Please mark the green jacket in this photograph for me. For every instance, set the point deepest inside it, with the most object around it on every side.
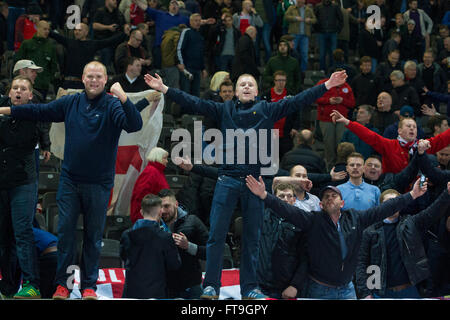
(289, 65)
(42, 51)
(294, 26)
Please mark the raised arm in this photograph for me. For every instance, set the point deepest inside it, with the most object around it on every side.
(432, 214)
(436, 175)
(391, 206)
(190, 104)
(373, 139)
(284, 107)
(292, 214)
(127, 117)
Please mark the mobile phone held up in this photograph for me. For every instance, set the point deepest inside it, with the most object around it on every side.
(422, 180)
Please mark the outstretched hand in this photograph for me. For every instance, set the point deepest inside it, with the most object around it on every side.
(155, 83)
(257, 187)
(184, 163)
(336, 79)
(337, 117)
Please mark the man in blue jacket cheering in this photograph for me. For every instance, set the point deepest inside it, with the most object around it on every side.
(245, 113)
(93, 123)
(333, 235)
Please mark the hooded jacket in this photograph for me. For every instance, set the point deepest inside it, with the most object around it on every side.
(43, 53)
(288, 64)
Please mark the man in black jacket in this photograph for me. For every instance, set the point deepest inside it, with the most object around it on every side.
(81, 50)
(280, 271)
(245, 58)
(190, 236)
(396, 248)
(17, 196)
(149, 253)
(333, 235)
(303, 154)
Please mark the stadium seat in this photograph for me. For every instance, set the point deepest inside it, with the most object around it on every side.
(110, 254)
(48, 182)
(176, 181)
(187, 122)
(313, 76)
(165, 137)
(52, 165)
(168, 120)
(115, 226)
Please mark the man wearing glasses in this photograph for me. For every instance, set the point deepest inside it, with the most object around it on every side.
(132, 48)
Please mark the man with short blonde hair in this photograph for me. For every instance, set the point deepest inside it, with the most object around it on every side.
(242, 113)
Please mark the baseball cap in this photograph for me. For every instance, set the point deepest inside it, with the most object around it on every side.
(332, 188)
(411, 21)
(22, 64)
(407, 111)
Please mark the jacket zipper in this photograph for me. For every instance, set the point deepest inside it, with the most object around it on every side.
(409, 251)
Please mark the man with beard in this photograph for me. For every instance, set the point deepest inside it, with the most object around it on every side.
(190, 236)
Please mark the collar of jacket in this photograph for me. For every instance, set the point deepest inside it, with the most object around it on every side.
(159, 166)
(246, 105)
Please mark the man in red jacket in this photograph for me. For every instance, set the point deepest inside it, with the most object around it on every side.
(395, 152)
(339, 98)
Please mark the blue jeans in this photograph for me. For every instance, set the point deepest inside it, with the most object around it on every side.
(327, 44)
(14, 13)
(91, 200)
(191, 86)
(226, 194)
(301, 44)
(17, 210)
(410, 292)
(319, 291)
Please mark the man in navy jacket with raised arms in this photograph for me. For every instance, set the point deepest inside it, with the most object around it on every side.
(245, 113)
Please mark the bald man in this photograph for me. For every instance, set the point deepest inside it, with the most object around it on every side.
(303, 154)
(82, 51)
(93, 123)
(43, 52)
(383, 115)
(245, 58)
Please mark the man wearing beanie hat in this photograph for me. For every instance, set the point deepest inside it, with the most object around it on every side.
(285, 62)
